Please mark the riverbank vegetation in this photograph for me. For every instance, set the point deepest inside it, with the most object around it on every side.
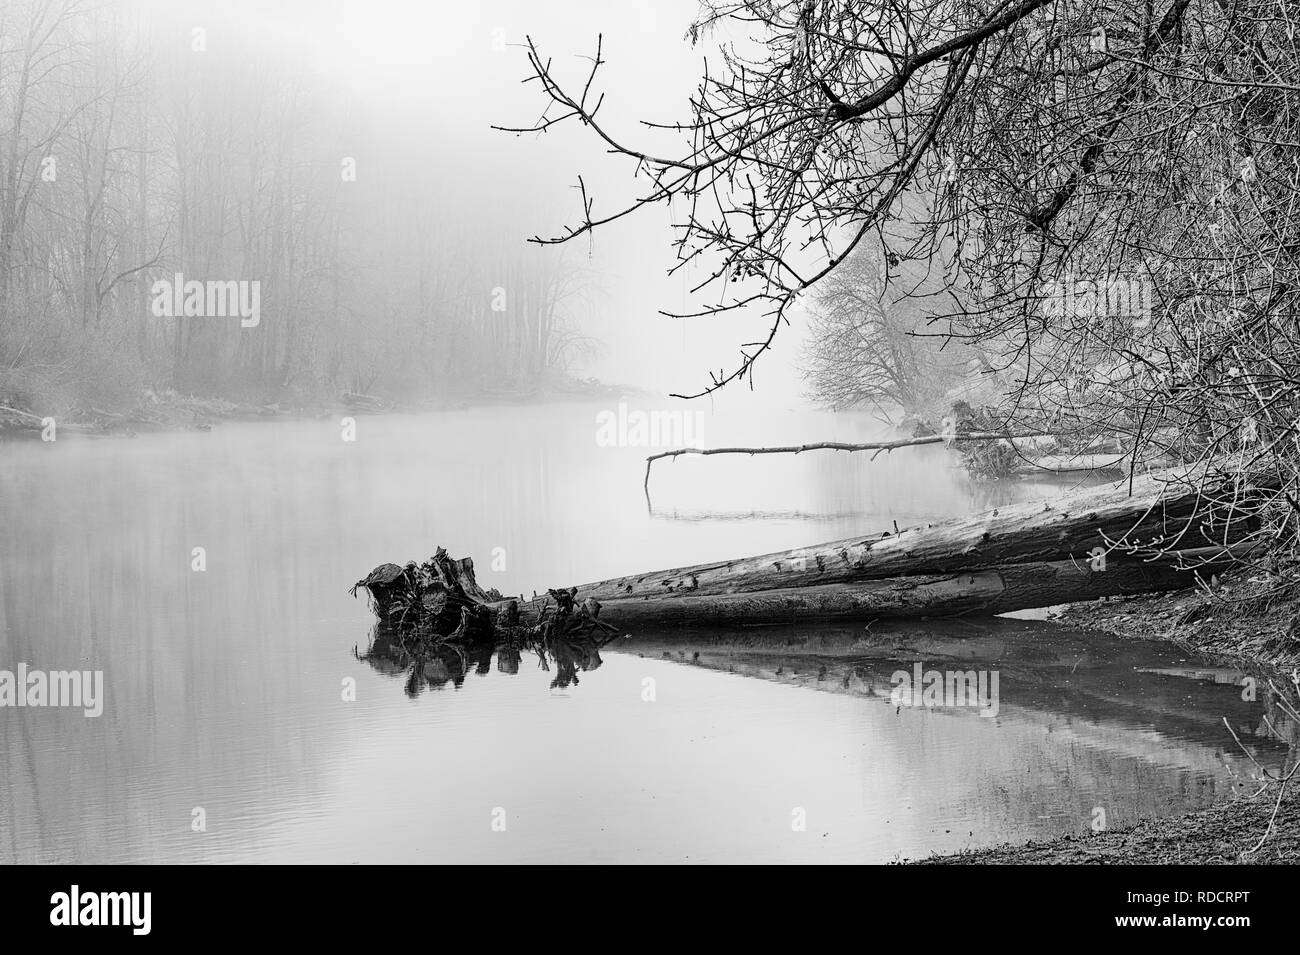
(1092, 207)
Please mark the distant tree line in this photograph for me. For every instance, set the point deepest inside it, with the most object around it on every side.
(132, 150)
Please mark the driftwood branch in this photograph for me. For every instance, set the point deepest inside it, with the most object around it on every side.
(877, 446)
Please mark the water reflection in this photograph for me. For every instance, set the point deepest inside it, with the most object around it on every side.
(1122, 697)
(428, 662)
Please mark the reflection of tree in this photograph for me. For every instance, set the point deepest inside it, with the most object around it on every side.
(436, 624)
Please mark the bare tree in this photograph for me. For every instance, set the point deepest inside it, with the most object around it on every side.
(863, 349)
(1115, 186)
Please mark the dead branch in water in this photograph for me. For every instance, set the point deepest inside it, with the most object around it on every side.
(877, 446)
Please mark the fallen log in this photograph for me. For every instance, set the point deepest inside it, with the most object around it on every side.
(1164, 510)
(1093, 543)
(978, 593)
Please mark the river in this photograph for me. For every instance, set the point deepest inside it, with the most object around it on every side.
(240, 723)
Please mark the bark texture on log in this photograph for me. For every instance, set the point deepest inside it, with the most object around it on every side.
(976, 592)
(1068, 528)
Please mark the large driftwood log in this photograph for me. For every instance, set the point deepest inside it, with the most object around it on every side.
(975, 592)
(1078, 547)
(1160, 508)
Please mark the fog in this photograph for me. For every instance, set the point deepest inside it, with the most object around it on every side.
(425, 82)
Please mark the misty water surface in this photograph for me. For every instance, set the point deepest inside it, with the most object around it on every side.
(224, 687)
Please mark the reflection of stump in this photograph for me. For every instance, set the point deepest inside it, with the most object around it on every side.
(508, 660)
(436, 624)
(437, 672)
(483, 659)
(508, 616)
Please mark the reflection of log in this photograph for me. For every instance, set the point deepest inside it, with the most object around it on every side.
(1022, 556)
(1102, 685)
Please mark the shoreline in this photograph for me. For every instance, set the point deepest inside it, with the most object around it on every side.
(1220, 835)
(1247, 622)
(169, 411)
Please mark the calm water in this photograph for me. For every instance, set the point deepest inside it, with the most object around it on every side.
(224, 688)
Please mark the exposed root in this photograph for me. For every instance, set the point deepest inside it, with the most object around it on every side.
(436, 623)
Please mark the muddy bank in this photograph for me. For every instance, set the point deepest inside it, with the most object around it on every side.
(1221, 835)
(1254, 620)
